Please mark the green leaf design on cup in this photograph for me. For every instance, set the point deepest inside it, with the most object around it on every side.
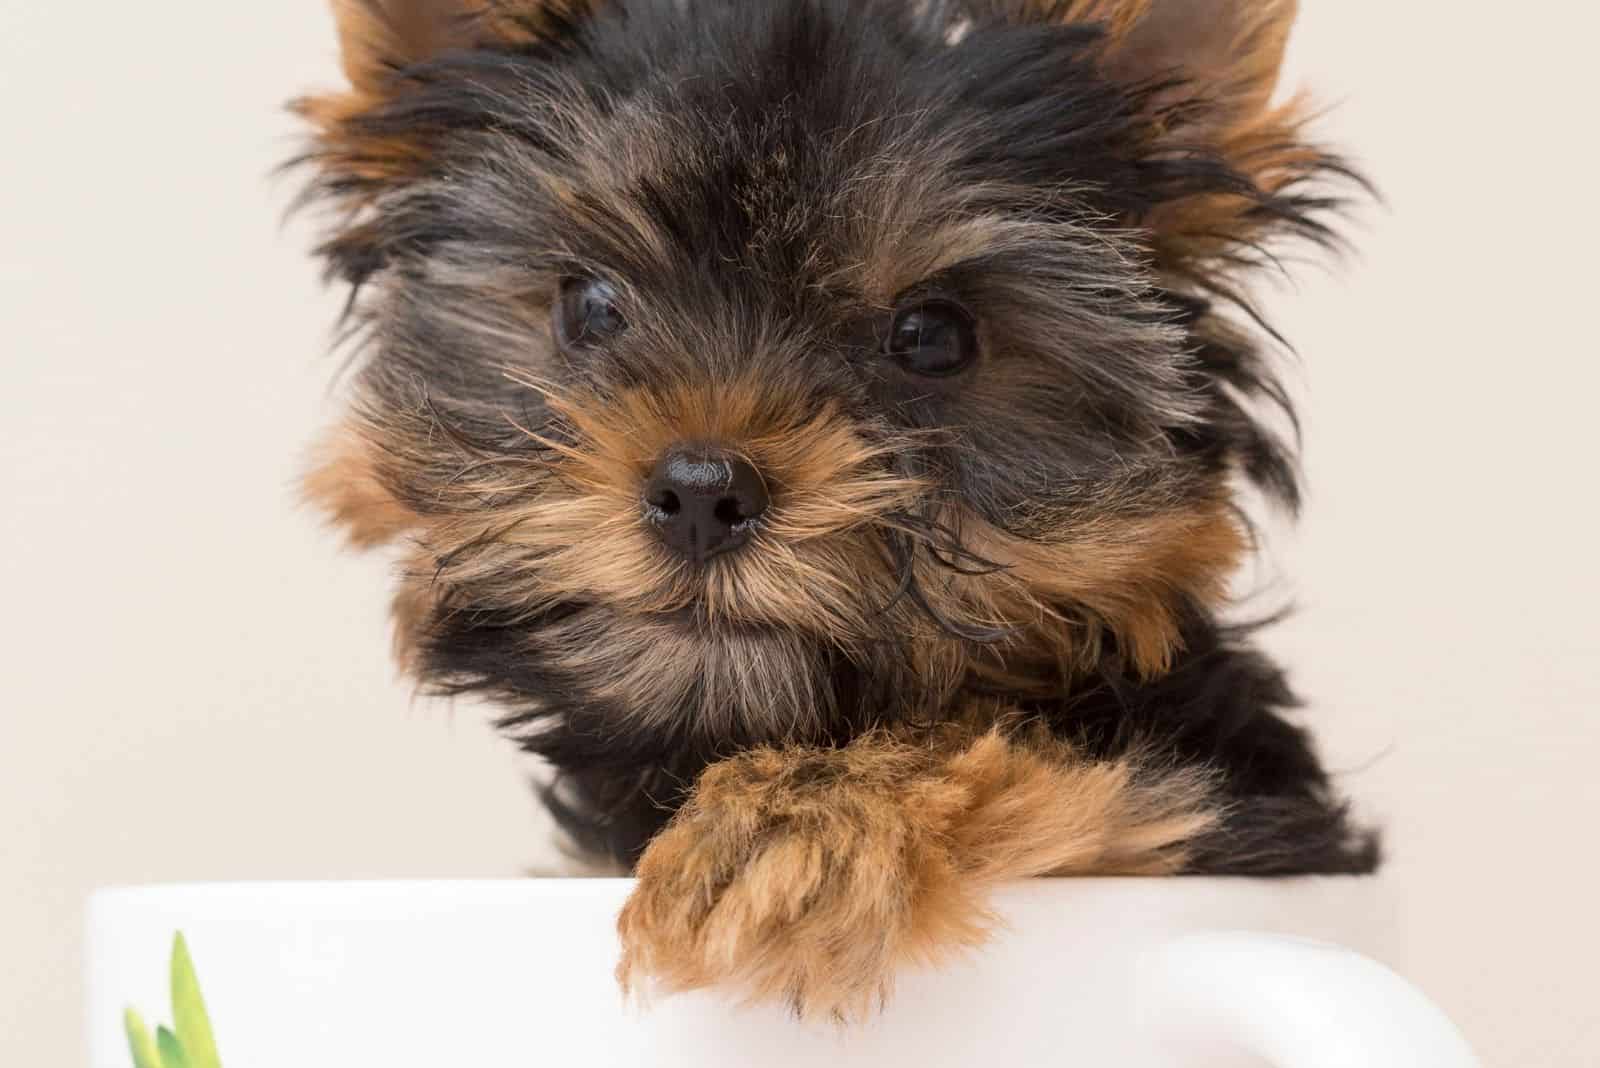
(189, 1011)
(171, 1052)
(189, 1043)
(144, 1047)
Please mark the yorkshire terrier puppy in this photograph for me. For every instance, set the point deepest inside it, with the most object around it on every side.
(822, 425)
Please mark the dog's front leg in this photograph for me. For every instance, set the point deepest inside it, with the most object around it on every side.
(809, 875)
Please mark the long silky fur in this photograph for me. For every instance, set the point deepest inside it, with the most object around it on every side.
(1046, 541)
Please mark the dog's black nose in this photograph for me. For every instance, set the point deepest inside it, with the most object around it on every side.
(704, 500)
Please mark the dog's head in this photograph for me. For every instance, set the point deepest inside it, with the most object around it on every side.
(737, 368)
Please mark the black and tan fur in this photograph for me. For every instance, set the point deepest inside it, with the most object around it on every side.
(976, 636)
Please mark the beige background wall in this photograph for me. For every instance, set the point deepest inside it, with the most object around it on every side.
(195, 682)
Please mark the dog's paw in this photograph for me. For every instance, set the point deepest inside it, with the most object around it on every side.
(811, 875)
(806, 876)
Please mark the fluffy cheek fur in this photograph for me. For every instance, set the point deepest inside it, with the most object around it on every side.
(812, 875)
(559, 525)
(551, 539)
(559, 517)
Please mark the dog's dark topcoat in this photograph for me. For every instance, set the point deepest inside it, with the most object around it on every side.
(734, 168)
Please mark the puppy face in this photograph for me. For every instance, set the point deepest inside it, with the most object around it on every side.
(737, 370)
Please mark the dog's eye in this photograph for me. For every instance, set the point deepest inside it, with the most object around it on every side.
(586, 312)
(933, 337)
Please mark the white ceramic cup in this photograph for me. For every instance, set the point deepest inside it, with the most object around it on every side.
(1091, 973)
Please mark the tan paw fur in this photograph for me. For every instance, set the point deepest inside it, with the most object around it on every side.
(810, 876)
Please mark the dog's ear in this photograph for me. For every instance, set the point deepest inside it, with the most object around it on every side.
(1224, 53)
(379, 37)
(380, 43)
(1204, 73)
